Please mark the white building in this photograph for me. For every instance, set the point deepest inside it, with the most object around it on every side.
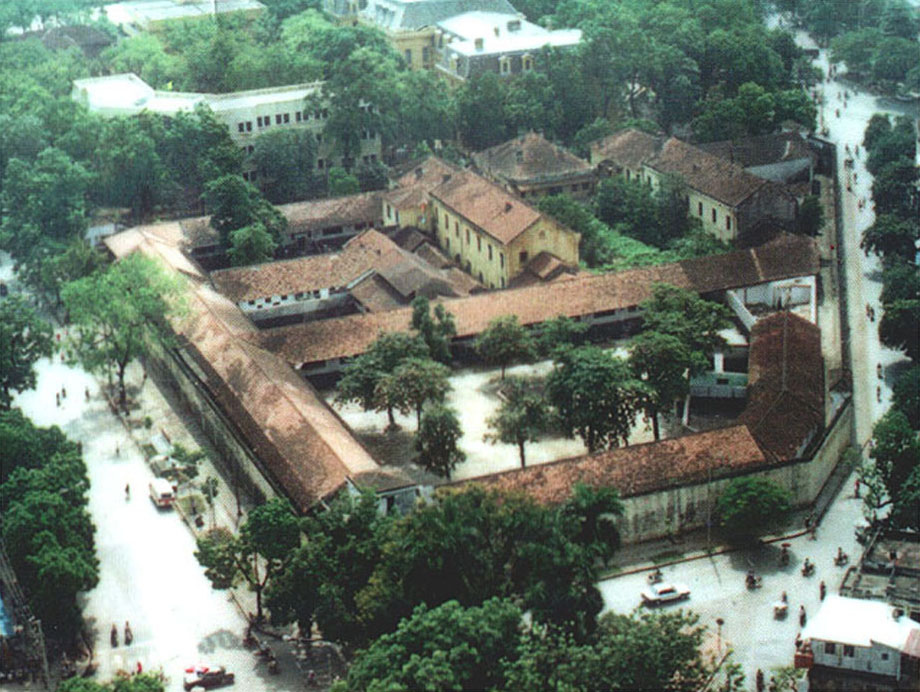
(246, 114)
(857, 642)
(475, 42)
(134, 16)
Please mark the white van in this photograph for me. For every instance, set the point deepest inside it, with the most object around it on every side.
(162, 493)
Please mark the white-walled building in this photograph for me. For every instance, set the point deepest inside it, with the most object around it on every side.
(855, 644)
(247, 114)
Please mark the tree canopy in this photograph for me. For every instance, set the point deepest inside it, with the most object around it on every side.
(505, 341)
(522, 416)
(751, 506)
(438, 440)
(892, 479)
(24, 338)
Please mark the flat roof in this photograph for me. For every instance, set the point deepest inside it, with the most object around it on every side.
(492, 29)
(859, 622)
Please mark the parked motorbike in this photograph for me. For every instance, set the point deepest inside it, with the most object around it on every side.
(842, 558)
(784, 554)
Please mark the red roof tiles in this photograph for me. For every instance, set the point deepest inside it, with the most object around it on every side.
(530, 158)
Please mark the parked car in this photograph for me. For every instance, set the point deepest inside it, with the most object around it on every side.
(208, 678)
(656, 594)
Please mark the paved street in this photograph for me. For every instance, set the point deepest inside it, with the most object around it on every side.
(149, 574)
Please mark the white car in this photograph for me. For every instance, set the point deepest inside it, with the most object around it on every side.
(664, 593)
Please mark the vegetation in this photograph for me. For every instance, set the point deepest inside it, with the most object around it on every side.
(751, 506)
(414, 382)
(117, 314)
(436, 327)
(261, 551)
(24, 338)
(47, 529)
(437, 441)
(892, 479)
(142, 682)
(521, 417)
(906, 395)
(505, 341)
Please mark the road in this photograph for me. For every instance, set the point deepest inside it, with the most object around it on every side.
(148, 572)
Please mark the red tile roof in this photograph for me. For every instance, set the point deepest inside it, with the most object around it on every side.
(487, 205)
(786, 257)
(369, 250)
(303, 217)
(638, 469)
(629, 147)
(785, 407)
(711, 175)
(528, 159)
(762, 150)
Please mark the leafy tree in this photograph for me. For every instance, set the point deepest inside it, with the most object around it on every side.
(887, 143)
(683, 314)
(24, 338)
(425, 110)
(811, 216)
(414, 382)
(341, 183)
(900, 281)
(878, 128)
(27, 446)
(751, 506)
(48, 272)
(234, 204)
(906, 395)
(259, 553)
(44, 202)
(857, 49)
(893, 477)
(360, 379)
(898, 327)
(504, 342)
(285, 160)
(560, 332)
(663, 362)
(894, 58)
(117, 313)
(598, 129)
(251, 245)
(437, 440)
(437, 331)
(131, 171)
(894, 190)
(145, 56)
(592, 513)
(445, 647)
(595, 396)
(891, 237)
(480, 112)
(521, 417)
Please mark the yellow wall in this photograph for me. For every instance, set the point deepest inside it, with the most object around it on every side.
(493, 263)
(416, 42)
(714, 224)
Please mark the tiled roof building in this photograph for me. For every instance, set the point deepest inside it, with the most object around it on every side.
(531, 166)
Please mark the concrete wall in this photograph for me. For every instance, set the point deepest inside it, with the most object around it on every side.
(878, 658)
(684, 508)
(544, 236)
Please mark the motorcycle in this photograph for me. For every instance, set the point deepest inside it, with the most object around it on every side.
(784, 554)
(655, 577)
(754, 582)
(841, 559)
(808, 568)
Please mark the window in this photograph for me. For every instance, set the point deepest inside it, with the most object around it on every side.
(556, 190)
(699, 208)
(490, 252)
(714, 215)
(266, 121)
(467, 236)
(408, 55)
(501, 262)
(298, 116)
(728, 223)
(575, 187)
(446, 221)
(885, 656)
(278, 119)
(522, 258)
(241, 127)
(849, 650)
(830, 648)
(259, 121)
(505, 64)
(480, 277)
(527, 63)
(503, 282)
(586, 186)
(320, 164)
(478, 244)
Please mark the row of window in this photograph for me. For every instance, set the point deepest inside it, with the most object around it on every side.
(505, 64)
(715, 216)
(263, 121)
(556, 190)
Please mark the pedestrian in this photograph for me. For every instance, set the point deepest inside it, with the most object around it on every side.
(759, 679)
(822, 588)
(128, 494)
(117, 450)
(856, 482)
(803, 618)
(140, 668)
(86, 392)
(63, 392)
(57, 399)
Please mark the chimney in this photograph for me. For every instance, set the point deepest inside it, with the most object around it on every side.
(479, 43)
(507, 207)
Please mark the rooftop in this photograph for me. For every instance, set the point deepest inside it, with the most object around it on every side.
(762, 150)
(529, 158)
(711, 175)
(786, 257)
(785, 405)
(501, 32)
(409, 15)
(637, 469)
(301, 441)
(487, 205)
(860, 623)
(303, 217)
(629, 147)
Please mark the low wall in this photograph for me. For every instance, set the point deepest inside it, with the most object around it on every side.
(685, 508)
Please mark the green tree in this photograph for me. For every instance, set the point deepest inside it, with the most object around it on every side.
(445, 647)
(285, 160)
(898, 327)
(749, 507)
(891, 238)
(906, 395)
(341, 183)
(251, 245)
(894, 58)
(361, 377)
(414, 382)
(592, 514)
(663, 362)
(131, 173)
(436, 331)
(116, 314)
(437, 440)
(27, 446)
(24, 338)
(522, 416)
(145, 56)
(425, 109)
(504, 342)
(234, 204)
(260, 552)
(683, 314)
(811, 216)
(595, 396)
(480, 112)
(894, 190)
(560, 332)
